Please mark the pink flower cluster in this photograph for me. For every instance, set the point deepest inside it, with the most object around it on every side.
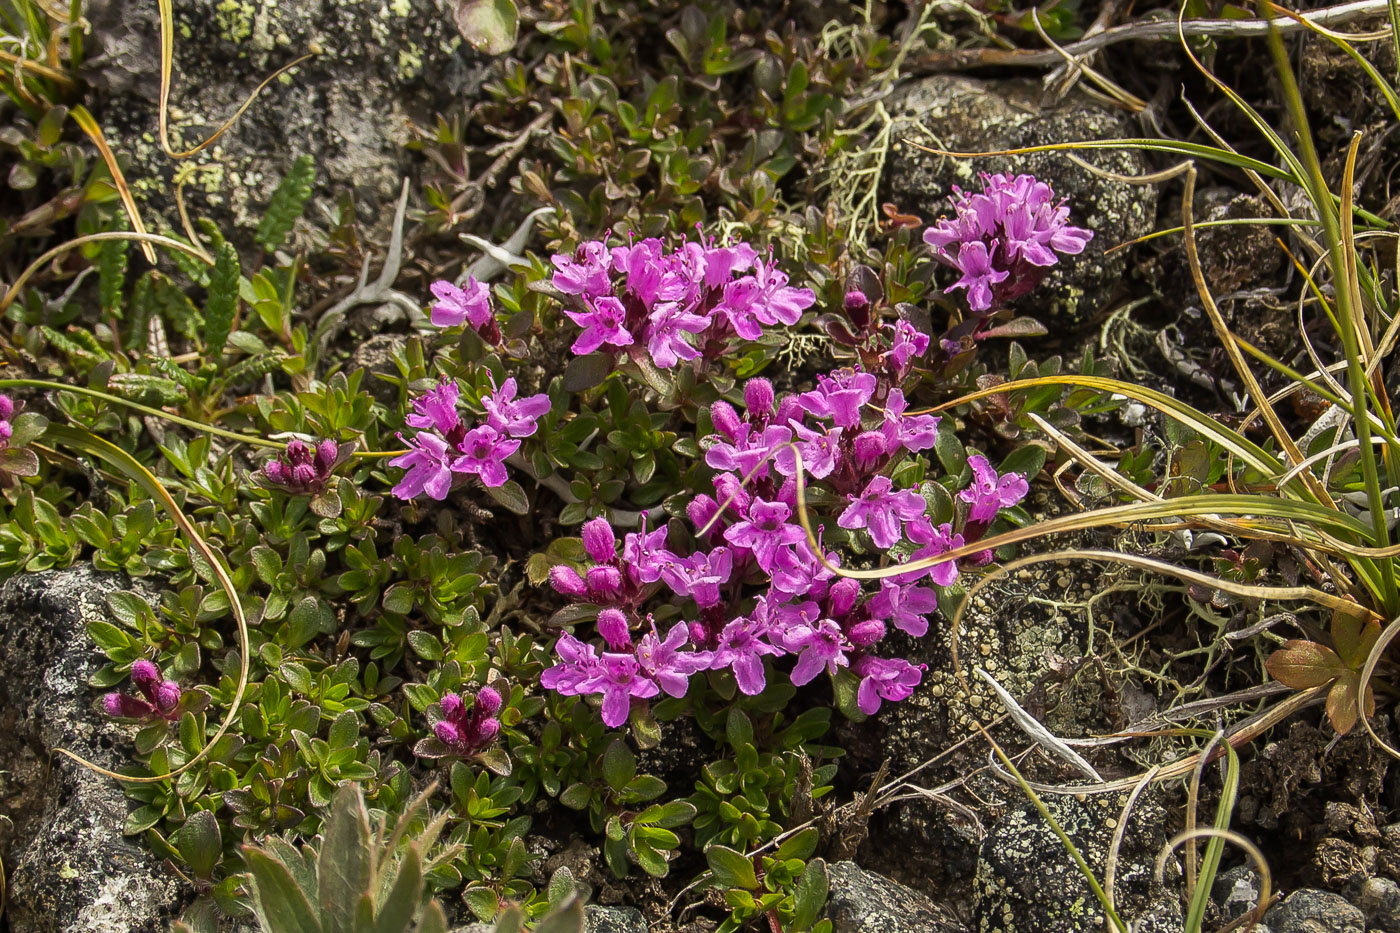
(444, 448)
(470, 305)
(675, 306)
(159, 699)
(461, 730)
(1004, 239)
(7, 411)
(750, 538)
(303, 469)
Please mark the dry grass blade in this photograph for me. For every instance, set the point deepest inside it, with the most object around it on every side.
(1037, 732)
(89, 126)
(1368, 669)
(1111, 866)
(133, 470)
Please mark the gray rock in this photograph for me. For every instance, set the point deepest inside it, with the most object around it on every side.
(861, 901)
(1379, 900)
(968, 115)
(1236, 890)
(376, 355)
(1309, 911)
(1027, 881)
(72, 870)
(613, 920)
(380, 67)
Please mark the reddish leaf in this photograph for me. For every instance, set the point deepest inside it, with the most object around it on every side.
(1302, 664)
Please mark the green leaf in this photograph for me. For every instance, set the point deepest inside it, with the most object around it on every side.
(619, 765)
(345, 731)
(343, 879)
(566, 917)
(576, 796)
(511, 496)
(810, 896)
(201, 844)
(107, 636)
(287, 203)
(222, 303)
(26, 427)
(1027, 460)
(278, 902)
(731, 869)
(111, 274)
(489, 26)
(497, 761)
(396, 913)
(585, 372)
(483, 902)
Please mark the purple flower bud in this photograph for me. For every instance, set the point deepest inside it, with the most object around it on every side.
(277, 472)
(7, 407)
(701, 510)
(298, 452)
(699, 634)
(567, 582)
(864, 634)
(868, 448)
(612, 625)
(447, 733)
(841, 599)
(486, 730)
(789, 407)
(451, 706)
(146, 676)
(6, 429)
(304, 475)
(726, 419)
(598, 540)
(758, 396)
(114, 704)
(858, 309)
(167, 696)
(326, 452)
(488, 701)
(604, 583)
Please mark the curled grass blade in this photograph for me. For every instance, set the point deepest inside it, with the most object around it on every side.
(130, 467)
(68, 245)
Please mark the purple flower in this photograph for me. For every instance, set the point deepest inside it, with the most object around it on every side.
(911, 432)
(620, 678)
(612, 625)
(742, 647)
(664, 662)
(750, 450)
(978, 275)
(758, 397)
(818, 645)
(820, 450)
(881, 512)
(436, 410)
(776, 301)
(585, 273)
(666, 332)
(455, 305)
(303, 469)
(644, 554)
(885, 679)
(700, 575)
(936, 540)
(840, 396)
(160, 698)
(764, 531)
(567, 582)
(484, 450)
(509, 416)
(429, 466)
(464, 732)
(906, 343)
(991, 491)
(797, 572)
(604, 583)
(602, 323)
(577, 667)
(907, 606)
(599, 541)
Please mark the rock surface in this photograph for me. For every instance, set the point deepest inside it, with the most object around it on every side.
(969, 115)
(71, 870)
(379, 68)
(1379, 900)
(613, 920)
(1309, 911)
(1027, 881)
(861, 901)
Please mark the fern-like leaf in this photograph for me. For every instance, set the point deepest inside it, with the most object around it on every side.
(287, 203)
(111, 275)
(222, 303)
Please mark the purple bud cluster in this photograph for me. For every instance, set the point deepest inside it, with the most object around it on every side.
(685, 305)
(465, 730)
(444, 448)
(750, 538)
(303, 469)
(160, 698)
(7, 411)
(470, 305)
(1004, 240)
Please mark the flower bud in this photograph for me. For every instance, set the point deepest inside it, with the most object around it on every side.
(599, 541)
(304, 475)
(726, 419)
(858, 309)
(604, 584)
(864, 634)
(567, 582)
(486, 731)
(167, 696)
(699, 633)
(868, 448)
(123, 706)
(789, 409)
(731, 495)
(451, 706)
(6, 429)
(447, 733)
(758, 396)
(7, 407)
(326, 452)
(146, 676)
(277, 472)
(701, 511)
(612, 625)
(488, 701)
(298, 452)
(842, 597)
